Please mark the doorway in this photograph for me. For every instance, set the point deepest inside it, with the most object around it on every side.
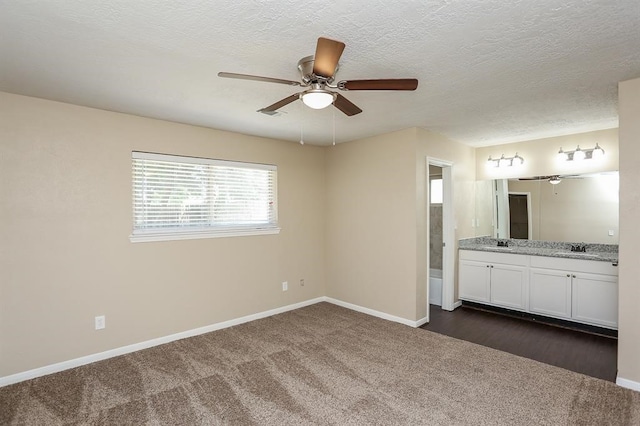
(520, 215)
(440, 225)
(436, 242)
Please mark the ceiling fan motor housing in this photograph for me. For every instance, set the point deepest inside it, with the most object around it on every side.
(305, 66)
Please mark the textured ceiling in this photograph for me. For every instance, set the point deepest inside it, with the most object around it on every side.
(490, 71)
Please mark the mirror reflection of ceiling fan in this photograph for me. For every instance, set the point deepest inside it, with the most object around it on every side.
(317, 75)
(552, 179)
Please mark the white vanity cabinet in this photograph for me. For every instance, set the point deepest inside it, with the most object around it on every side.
(581, 290)
(578, 290)
(496, 278)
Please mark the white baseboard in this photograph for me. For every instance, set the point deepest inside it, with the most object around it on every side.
(375, 313)
(629, 384)
(77, 362)
(421, 322)
(455, 306)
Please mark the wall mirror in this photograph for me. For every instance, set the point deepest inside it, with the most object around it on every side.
(578, 208)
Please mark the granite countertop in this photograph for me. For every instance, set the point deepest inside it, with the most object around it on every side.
(599, 252)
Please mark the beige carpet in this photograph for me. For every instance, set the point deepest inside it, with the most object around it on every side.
(319, 365)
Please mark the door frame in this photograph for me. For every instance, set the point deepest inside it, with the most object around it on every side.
(448, 233)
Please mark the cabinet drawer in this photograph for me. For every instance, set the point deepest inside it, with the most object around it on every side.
(493, 257)
(589, 266)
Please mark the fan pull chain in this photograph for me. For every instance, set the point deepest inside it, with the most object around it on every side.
(334, 126)
(301, 123)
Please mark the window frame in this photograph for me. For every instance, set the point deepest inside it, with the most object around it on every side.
(197, 232)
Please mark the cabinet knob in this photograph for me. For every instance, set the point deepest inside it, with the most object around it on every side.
(574, 276)
(568, 275)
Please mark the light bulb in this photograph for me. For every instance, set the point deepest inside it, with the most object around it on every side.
(578, 154)
(504, 162)
(562, 156)
(597, 153)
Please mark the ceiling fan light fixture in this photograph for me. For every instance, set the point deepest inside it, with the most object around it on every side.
(317, 98)
(554, 180)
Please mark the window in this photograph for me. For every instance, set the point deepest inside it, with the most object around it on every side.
(186, 197)
(435, 191)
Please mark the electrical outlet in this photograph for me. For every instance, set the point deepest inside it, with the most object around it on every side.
(611, 232)
(285, 286)
(100, 322)
(302, 282)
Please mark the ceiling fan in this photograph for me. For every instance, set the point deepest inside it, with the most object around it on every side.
(552, 179)
(317, 75)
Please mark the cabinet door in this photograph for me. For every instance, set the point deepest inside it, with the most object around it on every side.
(595, 299)
(550, 292)
(507, 287)
(473, 281)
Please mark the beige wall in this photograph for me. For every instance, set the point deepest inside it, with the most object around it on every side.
(371, 223)
(540, 156)
(629, 284)
(65, 255)
(377, 235)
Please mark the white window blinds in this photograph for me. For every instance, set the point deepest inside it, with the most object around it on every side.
(186, 197)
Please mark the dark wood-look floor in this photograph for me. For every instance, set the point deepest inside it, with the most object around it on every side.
(584, 353)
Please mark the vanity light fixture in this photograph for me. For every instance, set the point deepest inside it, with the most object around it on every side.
(580, 154)
(503, 161)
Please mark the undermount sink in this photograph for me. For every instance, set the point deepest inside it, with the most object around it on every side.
(576, 253)
(498, 248)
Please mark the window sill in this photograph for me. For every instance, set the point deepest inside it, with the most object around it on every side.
(192, 235)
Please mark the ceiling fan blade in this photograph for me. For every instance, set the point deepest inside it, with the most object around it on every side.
(539, 177)
(279, 104)
(381, 84)
(345, 105)
(258, 78)
(327, 55)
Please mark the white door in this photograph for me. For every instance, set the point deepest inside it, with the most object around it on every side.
(508, 286)
(473, 280)
(595, 299)
(550, 292)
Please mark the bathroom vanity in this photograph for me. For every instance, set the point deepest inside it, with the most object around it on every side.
(540, 278)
